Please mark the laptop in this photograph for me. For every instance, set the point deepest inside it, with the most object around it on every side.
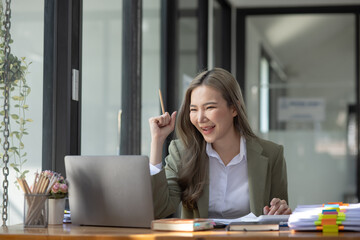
(110, 190)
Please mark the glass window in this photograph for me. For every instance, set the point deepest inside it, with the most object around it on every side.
(188, 37)
(101, 77)
(27, 24)
(150, 69)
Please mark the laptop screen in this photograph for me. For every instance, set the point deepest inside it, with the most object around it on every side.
(110, 190)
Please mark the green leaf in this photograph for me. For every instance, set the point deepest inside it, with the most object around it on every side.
(16, 169)
(14, 165)
(18, 98)
(29, 120)
(14, 116)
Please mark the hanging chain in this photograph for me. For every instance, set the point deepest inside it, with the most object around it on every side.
(6, 76)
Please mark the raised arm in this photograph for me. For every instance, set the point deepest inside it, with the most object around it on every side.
(160, 128)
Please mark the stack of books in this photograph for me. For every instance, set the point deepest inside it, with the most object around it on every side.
(176, 224)
(331, 217)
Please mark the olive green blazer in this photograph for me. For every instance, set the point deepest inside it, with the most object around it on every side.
(266, 173)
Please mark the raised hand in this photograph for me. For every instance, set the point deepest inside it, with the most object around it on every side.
(160, 128)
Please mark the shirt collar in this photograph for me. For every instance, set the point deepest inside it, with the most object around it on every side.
(237, 159)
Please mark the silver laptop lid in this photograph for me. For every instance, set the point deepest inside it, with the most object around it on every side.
(110, 190)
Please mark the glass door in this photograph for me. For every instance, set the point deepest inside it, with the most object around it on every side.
(300, 85)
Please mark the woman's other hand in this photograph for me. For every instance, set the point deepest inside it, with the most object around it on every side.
(277, 207)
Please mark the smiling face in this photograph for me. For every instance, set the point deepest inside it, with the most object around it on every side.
(211, 115)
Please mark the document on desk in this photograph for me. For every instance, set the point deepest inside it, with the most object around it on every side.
(252, 218)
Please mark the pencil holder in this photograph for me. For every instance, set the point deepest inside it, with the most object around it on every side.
(36, 210)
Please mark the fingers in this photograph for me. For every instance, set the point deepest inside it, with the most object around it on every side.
(162, 126)
(162, 120)
(276, 201)
(278, 207)
(266, 210)
(287, 212)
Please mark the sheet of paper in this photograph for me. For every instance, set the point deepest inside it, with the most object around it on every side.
(247, 218)
(252, 218)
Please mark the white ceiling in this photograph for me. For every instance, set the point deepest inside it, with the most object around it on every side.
(289, 35)
(291, 3)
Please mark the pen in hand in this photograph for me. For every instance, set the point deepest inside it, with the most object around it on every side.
(161, 102)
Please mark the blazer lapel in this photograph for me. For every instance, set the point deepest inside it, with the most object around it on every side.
(257, 171)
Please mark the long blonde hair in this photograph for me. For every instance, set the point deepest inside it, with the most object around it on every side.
(194, 171)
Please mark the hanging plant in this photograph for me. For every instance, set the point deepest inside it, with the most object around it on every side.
(19, 91)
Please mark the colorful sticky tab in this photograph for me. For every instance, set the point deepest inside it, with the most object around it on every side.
(328, 216)
(331, 221)
(341, 216)
(330, 211)
(330, 228)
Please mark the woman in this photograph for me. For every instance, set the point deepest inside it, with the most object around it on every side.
(217, 168)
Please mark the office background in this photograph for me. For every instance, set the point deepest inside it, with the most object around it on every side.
(297, 64)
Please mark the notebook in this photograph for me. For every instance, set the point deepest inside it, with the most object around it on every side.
(110, 190)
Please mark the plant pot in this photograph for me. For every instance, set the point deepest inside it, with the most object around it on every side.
(56, 210)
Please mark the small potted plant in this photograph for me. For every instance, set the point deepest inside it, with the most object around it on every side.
(57, 198)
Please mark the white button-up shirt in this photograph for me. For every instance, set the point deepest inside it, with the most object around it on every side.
(229, 185)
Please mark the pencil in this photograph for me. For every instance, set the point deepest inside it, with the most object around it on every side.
(161, 102)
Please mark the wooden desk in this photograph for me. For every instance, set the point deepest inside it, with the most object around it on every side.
(68, 231)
